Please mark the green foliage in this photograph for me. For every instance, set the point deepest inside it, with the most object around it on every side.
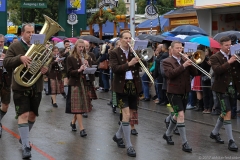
(96, 19)
(32, 15)
(91, 4)
(121, 9)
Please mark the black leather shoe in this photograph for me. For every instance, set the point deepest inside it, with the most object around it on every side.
(55, 105)
(167, 123)
(232, 145)
(168, 139)
(134, 132)
(131, 152)
(83, 133)
(217, 138)
(146, 99)
(74, 128)
(175, 131)
(0, 130)
(114, 109)
(85, 115)
(26, 153)
(186, 147)
(119, 141)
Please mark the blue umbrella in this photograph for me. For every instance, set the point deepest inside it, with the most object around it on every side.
(188, 30)
(173, 39)
(187, 39)
(10, 37)
(166, 34)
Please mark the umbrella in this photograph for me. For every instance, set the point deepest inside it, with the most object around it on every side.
(188, 30)
(166, 34)
(227, 33)
(9, 37)
(73, 40)
(187, 39)
(113, 40)
(173, 39)
(92, 39)
(61, 45)
(57, 39)
(156, 38)
(206, 41)
(143, 36)
(62, 37)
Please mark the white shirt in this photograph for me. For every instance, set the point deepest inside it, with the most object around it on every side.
(224, 54)
(128, 74)
(178, 59)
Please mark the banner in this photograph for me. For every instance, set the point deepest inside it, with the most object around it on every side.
(184, 3)
(215, 3)
(79, 4)
(3, 5)
(33, 4)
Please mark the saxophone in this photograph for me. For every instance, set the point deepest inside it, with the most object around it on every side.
(40, 55)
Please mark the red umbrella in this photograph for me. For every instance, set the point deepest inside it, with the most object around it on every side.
(206, 41)
(73, 40)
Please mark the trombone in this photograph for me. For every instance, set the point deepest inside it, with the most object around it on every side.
(198, 57)
(141, 63)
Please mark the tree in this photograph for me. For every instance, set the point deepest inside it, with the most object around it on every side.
(91, 4)
(121, 9)
(17, 14)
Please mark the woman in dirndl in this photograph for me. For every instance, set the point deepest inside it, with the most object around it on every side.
(55, 77)
(79, 86)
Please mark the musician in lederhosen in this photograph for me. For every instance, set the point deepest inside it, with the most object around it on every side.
(55, 76)
(80, 85)
(127, 85)
(5, 83)
(226, 85)
(177, 71)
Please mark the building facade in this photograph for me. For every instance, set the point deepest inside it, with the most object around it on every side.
(218, 15)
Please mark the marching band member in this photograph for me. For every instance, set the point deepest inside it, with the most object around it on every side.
(226, 86)
(5, 83)
(80, 85)
(127, 85)
(178, 74)
(55, 76)
(26, 99)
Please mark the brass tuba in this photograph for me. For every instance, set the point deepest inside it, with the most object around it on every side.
(40, 55)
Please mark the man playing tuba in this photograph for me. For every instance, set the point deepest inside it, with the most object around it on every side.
(26, 99)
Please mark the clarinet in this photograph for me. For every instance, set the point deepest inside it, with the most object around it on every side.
(60, 64)
(82, 59)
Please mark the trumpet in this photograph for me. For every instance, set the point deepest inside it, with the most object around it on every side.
(142, 65)
(197, 58)
(60, 64)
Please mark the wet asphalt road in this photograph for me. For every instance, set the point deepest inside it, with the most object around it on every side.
(52, 137)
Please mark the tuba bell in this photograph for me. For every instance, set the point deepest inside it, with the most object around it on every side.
(40, 55)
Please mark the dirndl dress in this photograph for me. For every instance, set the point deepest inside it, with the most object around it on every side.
(78, 99)
(196, 83)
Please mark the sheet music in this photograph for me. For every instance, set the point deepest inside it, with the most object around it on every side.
(140, 44)
(89, 71)
(235, 49)
(37, 38)
(190, 47)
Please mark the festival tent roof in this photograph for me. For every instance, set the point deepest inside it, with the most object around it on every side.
(155, 22)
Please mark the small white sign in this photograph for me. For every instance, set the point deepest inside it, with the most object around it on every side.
(151, 12)
(190, 47)
(140, 44)
(235, 49)
(37, 39)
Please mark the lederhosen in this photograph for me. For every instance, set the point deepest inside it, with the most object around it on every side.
(129, 98)
(229, 98)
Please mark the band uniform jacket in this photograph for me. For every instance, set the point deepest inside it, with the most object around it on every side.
(178, 77)
(119, 66)
(12, 60)
(54, 70)
(72, 69)
(5, 76)
(223, 71)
